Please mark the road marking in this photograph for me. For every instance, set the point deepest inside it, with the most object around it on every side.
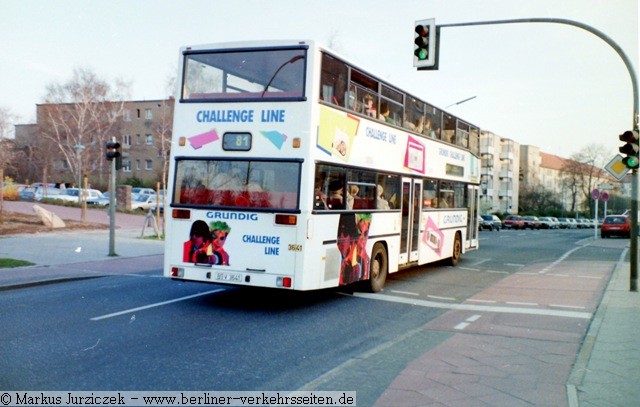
(497, 272)
(477, 308)
(480, 262)
(514, 265)
(468, 321)
(435, 297)
(468, 268)
(533, 304)
(555, 263)
(567, 306)
(483, 301)
(157, 304)
(403, 292)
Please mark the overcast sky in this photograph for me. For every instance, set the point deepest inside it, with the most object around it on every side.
(553, 86)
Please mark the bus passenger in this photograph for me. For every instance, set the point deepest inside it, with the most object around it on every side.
(385, 112)
(381, 203)
(335, 195)
(369, 107)
(352, 193)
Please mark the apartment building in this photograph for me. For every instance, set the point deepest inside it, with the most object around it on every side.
(143, 129)
(499, 174)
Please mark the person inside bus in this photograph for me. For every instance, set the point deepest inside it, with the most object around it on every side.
(352, 193)
(381, 203)
(369, 106)
(385, 113)
(335, 195)
(319, 198)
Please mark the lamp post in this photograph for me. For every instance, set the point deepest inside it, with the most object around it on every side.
(461, 102)
(79, 147)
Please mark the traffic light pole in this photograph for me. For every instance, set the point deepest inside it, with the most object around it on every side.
(633, 255)
(112, 209)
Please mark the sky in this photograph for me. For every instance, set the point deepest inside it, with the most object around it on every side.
(553, 86)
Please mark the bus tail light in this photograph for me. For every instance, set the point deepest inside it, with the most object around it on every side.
(181, 214)
(177, 272)
(284, 282)
(286, 219)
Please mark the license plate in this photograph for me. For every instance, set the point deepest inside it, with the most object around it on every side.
(224, 276)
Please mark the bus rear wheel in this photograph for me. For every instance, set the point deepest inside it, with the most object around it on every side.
(457, 250)
(379, 268)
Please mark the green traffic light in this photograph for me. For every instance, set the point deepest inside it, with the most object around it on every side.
(631, 162)
(421, 54)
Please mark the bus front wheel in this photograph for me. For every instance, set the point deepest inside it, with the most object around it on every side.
(457, 250)
(379, 267)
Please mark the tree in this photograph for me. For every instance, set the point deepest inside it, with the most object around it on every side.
(6, 150)
(79, 117)
(586, 169)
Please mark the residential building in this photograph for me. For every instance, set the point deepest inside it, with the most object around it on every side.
(500, 167)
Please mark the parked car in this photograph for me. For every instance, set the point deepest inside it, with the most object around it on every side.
(563, 223)
(572, 223)
(142, 191)
(547, 222)
(143, 202)
(490, 222)
(531, 222)
(513, 222)
(615, 225)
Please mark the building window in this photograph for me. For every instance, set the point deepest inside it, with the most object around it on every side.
(138, 139)
(127, 115)
(150, 139)
(138, 167)
(149, 114)
(126, 165)
(149, 164)
(126, 139)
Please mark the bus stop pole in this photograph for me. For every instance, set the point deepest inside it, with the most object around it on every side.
(633, 256)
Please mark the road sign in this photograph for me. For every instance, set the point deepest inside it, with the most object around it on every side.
(616, 167)
(606, 187)
(604, 196)
(595, 194)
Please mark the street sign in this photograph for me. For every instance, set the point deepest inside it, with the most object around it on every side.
(606, 187)
(595, 194)
(617, 168)
(604, 196)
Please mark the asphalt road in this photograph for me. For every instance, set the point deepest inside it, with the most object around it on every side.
(144, 332)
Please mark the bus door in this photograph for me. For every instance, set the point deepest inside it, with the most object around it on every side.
(411, 208)
(472, 221)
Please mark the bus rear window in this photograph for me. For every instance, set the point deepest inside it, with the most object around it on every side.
(237, 183)
(244, 75)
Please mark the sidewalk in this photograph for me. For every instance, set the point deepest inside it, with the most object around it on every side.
(607, 369)
(63, 255)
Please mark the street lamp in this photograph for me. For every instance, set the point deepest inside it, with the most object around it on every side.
(79, 147)
(461, 102)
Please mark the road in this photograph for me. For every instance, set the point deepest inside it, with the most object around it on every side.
(524, 292)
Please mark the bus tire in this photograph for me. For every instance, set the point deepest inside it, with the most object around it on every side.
(378, 268)
(457, 250)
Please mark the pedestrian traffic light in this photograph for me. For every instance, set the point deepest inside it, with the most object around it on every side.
(424, 44)
(630, 149)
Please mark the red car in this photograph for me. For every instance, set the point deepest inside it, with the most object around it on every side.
(615, 225)
(513, 222)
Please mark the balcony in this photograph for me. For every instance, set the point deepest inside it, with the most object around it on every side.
(486, 149)
(505, 173)
(506, 155)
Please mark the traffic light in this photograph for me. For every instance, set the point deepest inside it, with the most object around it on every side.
(630, 149)
(424, 44)
(113, 151)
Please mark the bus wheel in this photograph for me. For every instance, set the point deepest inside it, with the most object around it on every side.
(379, 267)
(457, 250)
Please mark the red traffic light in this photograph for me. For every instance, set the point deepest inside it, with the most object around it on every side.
(630, 136)
(113, 150)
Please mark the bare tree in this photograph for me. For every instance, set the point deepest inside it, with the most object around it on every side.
(79, 117)
(584, 171)
(7, 151)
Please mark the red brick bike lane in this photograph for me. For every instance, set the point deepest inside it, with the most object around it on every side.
(514, 343)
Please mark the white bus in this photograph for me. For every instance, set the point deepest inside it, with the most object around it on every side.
(293, 168)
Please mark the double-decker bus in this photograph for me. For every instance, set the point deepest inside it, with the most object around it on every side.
(293, 168)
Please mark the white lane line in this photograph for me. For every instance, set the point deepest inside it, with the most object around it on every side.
(468, 321)
(461, 326)
(473, 318)
(476, 308)
(482, 301)
(531, 304)
(555, 263)
(157, 304)
(435, 297)
(514, 265)
(404, 292)
(469, 268)
(497, 272)
(567, 306)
